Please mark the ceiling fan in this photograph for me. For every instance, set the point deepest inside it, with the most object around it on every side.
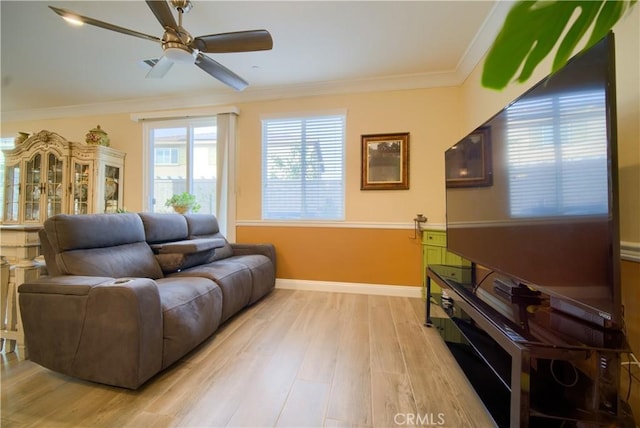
(179, 46)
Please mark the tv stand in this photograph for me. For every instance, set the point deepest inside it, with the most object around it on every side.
(554, 369)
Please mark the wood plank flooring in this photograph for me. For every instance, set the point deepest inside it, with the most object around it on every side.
(295, 359)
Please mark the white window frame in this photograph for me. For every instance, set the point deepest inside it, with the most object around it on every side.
(149, 151)
(226, 122)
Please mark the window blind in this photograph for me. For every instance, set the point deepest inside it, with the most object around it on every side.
(303, 168)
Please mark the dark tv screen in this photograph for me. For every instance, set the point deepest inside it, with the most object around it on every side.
(532, 193)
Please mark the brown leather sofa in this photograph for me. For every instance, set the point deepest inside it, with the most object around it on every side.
(129, 294)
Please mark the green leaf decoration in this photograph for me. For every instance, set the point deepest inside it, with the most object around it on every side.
(533, 28)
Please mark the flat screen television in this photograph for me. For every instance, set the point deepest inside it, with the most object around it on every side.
(532, 194)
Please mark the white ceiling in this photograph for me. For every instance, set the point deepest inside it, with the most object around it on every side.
(319, 47)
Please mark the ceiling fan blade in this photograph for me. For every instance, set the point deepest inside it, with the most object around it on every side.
(221, 72)
(160, 68)
(163, 13)
(239, 41)
(72, 16)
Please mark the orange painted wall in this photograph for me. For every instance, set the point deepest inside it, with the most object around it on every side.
(341, 254)
(630, 275)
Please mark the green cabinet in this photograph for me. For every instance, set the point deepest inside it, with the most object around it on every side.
(434, 252)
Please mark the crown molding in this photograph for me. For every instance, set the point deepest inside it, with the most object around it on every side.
(212, 99)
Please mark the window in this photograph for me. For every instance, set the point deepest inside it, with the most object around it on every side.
(166, 156)
(184, 160)
(557, 154)
(303, 168)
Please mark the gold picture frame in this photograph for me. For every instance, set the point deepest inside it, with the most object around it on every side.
(385, 161)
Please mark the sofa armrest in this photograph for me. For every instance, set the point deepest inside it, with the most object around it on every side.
(265, 249)
(101, 329)
(64, 284)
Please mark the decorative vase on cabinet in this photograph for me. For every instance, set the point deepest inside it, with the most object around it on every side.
(97, 136)
(59, 176)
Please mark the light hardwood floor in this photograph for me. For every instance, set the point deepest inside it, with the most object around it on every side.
(295, 359)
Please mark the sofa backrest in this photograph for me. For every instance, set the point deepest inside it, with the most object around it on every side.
(159, 227)
(110, 245)
(174, 249)
(206, 226)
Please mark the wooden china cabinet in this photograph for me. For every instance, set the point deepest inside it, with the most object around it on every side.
(48, 175)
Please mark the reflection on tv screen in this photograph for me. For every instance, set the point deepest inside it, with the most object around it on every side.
(556, 154)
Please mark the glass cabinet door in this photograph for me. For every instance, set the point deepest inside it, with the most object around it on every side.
(80, 186)
(55, 190)
(111, 188)
(12, 193)
(48, 175)
(32, 188)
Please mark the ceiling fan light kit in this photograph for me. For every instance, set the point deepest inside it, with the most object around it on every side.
(178, 45)
(179, 54)
(73, 20)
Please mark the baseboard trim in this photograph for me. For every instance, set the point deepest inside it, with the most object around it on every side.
(349, 287)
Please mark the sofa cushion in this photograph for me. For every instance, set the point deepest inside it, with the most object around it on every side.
(162, 227)
(129, 260)
(101, 245)
(201, 225)
(191, 312)
(234, 280)
(206, 226)
(72, 232)
(222, 253)
(263, 276)
(175, 262)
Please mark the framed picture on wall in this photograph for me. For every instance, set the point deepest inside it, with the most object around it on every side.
(468, 163)
(385, 161)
